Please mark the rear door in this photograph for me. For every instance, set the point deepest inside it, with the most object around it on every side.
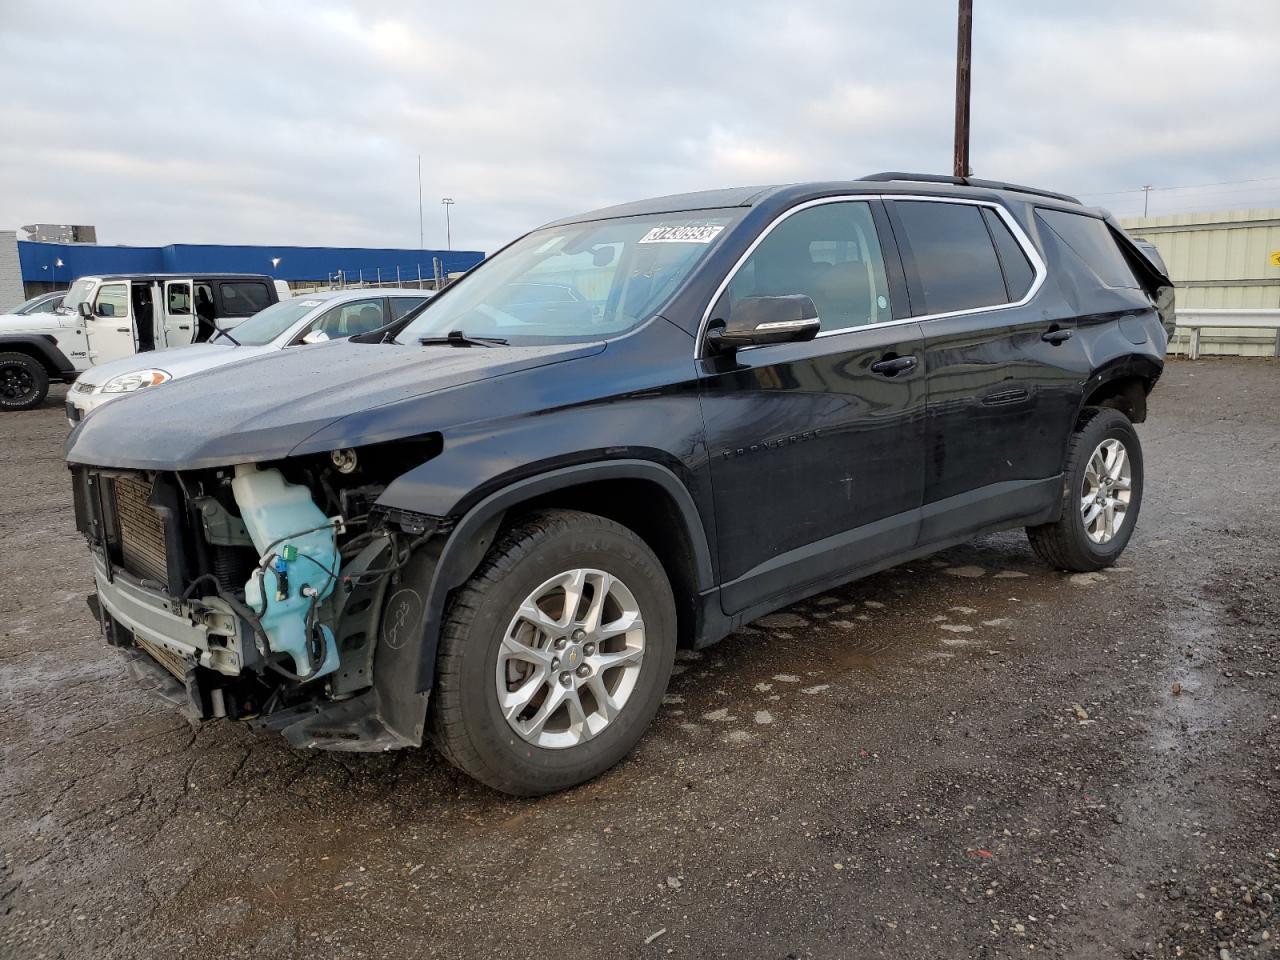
(817, 449)
(179, 313)
(1005, 370)
(110, 329)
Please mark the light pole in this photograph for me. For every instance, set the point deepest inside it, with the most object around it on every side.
(421, 244)
(448, 230)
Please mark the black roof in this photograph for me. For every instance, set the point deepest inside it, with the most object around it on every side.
(879, 183)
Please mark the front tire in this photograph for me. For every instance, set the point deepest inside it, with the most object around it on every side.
(24, 382)
(554, 656)
(1101, 495)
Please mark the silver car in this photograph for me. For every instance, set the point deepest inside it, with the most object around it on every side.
(307, 319)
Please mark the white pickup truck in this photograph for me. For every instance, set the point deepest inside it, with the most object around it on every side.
(107, 317)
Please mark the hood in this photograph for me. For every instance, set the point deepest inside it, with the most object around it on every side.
(178, 362)
(265, 407)
(34, 323)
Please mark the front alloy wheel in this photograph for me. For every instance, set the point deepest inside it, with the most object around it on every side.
(570, 658)
(554, 655)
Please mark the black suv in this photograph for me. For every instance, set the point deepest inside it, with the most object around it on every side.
(626, 432)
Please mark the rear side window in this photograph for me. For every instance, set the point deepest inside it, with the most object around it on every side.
(1091, 240)
(954, 256)
(244, 298)
(1018, 273)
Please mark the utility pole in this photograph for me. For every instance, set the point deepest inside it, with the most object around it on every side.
(448, 230)
(421, 243)
(1146, 196)
(964, 56)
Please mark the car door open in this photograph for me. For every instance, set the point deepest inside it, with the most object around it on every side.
(179, 315)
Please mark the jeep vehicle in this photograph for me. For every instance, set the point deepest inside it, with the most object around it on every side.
(627, 432)
(117, 315)
(289, 323)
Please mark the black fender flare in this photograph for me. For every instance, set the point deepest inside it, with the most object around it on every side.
(1120, 368)
(473, 534)
(46, 349)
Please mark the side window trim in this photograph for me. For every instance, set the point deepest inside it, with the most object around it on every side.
(1019, 236)
(901, 247)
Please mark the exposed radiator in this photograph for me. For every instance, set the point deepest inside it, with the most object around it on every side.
(172, 662)
(142, 547)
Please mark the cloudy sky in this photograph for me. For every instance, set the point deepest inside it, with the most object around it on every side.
(302, 122)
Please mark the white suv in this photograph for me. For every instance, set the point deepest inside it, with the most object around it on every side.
(103, 318)
(310, 319)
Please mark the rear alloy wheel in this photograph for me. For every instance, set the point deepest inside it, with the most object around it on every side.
(24, 382)
(1101, 494)
(554, 655)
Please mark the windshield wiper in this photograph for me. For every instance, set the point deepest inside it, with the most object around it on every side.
(457, 338)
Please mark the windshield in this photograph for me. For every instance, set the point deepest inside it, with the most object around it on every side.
(44, 299)
(582, 281)
(265, 325)
(77, 295)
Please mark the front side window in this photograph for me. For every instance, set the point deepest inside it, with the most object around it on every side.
(112, 301)
(954, 255)
(243, 298)
(349, 319)
(578, 282)
(830, 253)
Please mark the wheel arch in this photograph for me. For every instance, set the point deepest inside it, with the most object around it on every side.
(42, 349)
(1123, 384)
(644, 496)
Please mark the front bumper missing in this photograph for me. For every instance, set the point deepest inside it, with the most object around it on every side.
(166, 629)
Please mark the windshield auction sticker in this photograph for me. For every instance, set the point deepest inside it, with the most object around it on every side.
(693, 233)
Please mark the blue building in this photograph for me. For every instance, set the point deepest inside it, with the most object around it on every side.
(47, 266)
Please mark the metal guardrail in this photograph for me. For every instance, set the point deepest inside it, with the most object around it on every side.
(1196, 320)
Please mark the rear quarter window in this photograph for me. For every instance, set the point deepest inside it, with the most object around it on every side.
(243, 298)
(1090, 239)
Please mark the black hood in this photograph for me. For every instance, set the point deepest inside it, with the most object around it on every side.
(265, 407)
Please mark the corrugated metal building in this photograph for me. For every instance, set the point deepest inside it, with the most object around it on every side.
(1221, 260)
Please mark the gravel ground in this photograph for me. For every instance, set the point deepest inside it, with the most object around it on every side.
(971, 756)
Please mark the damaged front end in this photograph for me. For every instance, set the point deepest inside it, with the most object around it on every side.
(278, 593)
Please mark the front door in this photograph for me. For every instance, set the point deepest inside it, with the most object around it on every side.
(110, 328)
(817, 449)
(179, 313)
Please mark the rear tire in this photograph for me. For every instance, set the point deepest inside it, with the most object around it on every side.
(24, 382)
(1101, 495)
(536, 693)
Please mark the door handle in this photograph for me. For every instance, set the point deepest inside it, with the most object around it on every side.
(184, 326)
(122, 329)
(1056, 335)
(892, 366)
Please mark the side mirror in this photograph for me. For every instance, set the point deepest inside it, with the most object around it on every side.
(315, 336)
(754, 321)
(86, 309)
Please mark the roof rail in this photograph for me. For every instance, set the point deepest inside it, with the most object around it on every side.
(968, 182)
